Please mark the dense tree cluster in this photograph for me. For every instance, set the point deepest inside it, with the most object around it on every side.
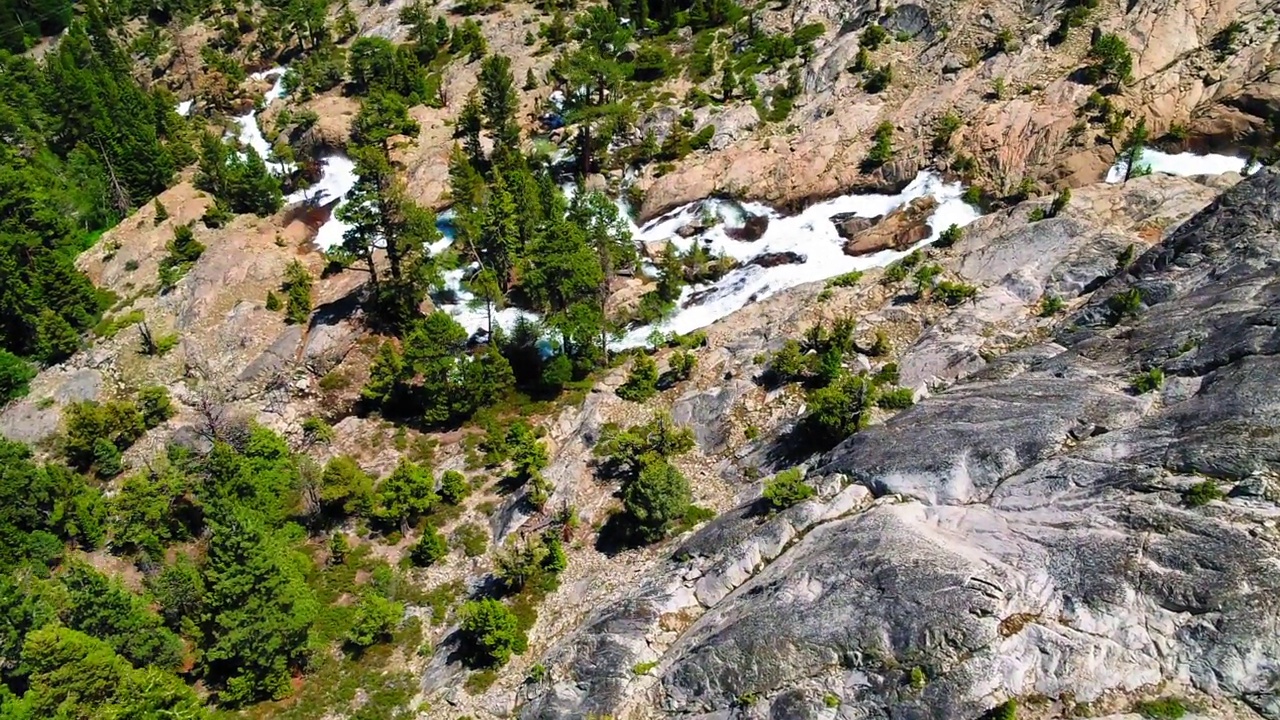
(244, 615)
(83, 144)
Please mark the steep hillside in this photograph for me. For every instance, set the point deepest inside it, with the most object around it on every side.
(637, 360)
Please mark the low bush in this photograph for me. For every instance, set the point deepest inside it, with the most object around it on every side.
(787, 488)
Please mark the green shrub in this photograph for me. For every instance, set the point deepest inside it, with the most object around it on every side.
(896, 399)
(642, 381)
(644, 667)
(15, 376)
(297, 291)
(1059, 203)
(183, 251)
(1202, 493)
(841, 408)
(949, 237)
(1051, 305)
(154, 405)
(1004, 42)
(656, 499)
(1167, 708)
(273, 301)
(453, 487)
(1110, 58)
(879, 79)
(316, 430)
(831, 700)
(954, 293)
(703, 138)
(430, 549)
(537, 562)
(1125, 304)
(1006, 711)
(848, 279)
(881, 346)
(788, 364)
(490, 633)
(158, 346)
(882, 150)
(106, 458)
(975, 196)
(918, 678)
(682, 364)
(376, 618)
(1149, 381)
(787, 488)
(998, 87)
(887, 375)
(873, 37)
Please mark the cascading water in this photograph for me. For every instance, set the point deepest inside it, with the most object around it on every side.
(1183, 164)
(809, 235)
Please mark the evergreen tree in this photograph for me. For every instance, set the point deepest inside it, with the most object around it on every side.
(470, 122)
(657, 498)
(297, 292)
(258, 611)
(430, 549)
(501, 101)
(406, 494)
(498, 243)
(15, 374)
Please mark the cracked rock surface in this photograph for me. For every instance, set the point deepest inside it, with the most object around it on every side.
(1023, 532)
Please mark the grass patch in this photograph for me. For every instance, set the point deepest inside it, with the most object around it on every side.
(441, 599)
(480, 681)
(1167, 708)
(472, 538)
(110, 327)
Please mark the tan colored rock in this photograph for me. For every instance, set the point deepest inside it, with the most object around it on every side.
(625, 293)
(1031, 131)
(899, 230)
(335, 115)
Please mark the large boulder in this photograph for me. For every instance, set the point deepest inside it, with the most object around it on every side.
(898, 230)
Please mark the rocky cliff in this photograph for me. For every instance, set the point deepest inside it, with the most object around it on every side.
(1028, 532)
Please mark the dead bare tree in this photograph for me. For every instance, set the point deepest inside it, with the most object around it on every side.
(119, 195)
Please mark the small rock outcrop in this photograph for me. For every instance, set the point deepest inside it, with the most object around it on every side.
(752, 229)
(774, 259)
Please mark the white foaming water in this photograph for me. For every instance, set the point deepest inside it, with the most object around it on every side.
(337, 177)
(184, 107)
(810, 234)
(1183, 164)
(250, 133)
(470, 313)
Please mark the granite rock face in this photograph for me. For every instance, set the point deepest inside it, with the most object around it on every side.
(1023, 533)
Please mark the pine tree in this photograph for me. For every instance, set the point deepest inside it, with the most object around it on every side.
(499, 239)
(406, 494)
(497, 87)
(297, 290)
(258, 611)
(56, 340)
(470, 123)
